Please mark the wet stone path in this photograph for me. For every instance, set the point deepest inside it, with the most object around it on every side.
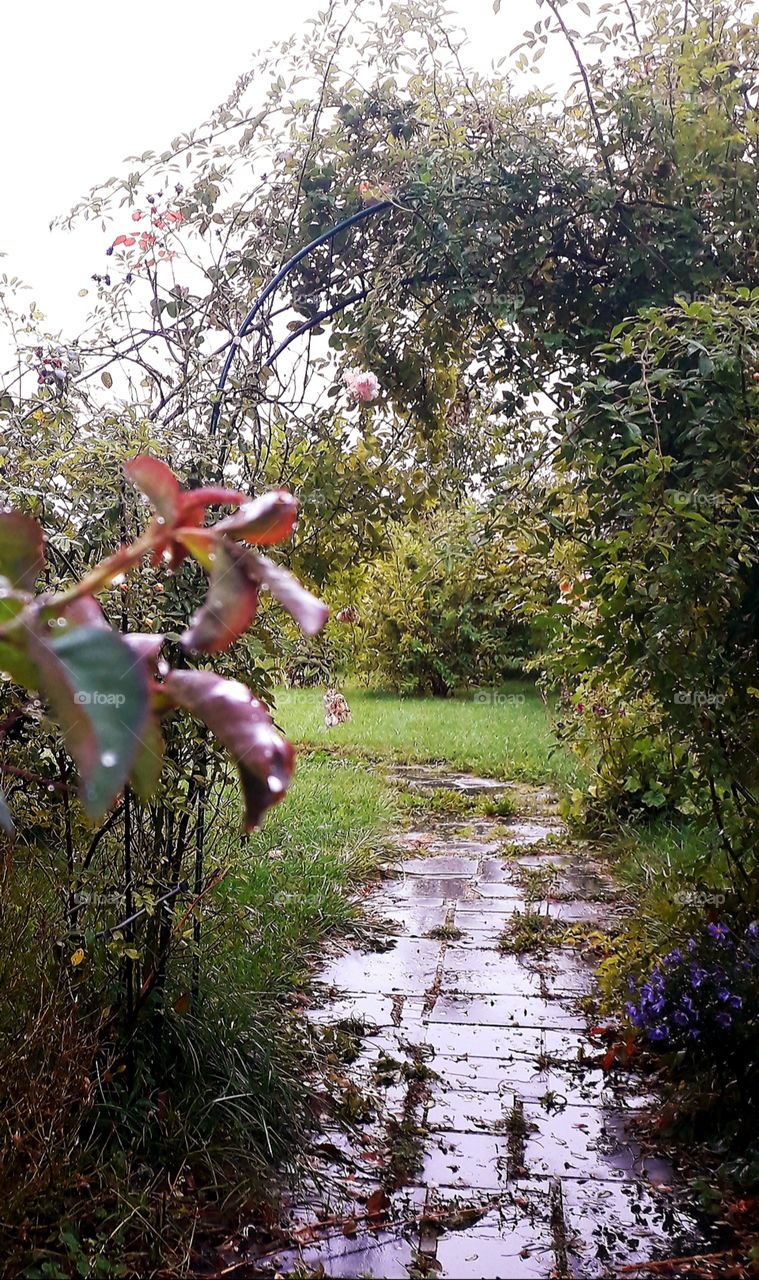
(472, 1131)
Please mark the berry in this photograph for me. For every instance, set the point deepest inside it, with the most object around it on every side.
(109, 251)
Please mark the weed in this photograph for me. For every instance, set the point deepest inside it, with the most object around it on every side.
(502, 806)
(529, 931)
(445, 933)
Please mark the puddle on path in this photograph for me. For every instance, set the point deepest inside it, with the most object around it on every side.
(480, 1136)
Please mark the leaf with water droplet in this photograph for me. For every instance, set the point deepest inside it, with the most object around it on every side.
(98, 694)
(264, 759)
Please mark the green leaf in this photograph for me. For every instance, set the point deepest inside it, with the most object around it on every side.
(97, 690)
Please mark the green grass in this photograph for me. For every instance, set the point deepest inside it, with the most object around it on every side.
(508, 736)
(296, 878)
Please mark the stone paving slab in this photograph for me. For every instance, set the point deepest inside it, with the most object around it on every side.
(503, 1011)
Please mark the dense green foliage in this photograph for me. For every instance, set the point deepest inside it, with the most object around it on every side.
(438, 610)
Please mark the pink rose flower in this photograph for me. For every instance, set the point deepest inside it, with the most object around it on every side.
(361, 387)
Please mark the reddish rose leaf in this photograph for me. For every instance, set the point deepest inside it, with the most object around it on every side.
(377, 1205)
(193, 503)
(264, 759)
(264, 521)
(22, 555)
(159, 484)
(145, 645)
(309, 613)
(231, 603)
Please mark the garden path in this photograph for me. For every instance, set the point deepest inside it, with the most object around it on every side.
(475, 1132)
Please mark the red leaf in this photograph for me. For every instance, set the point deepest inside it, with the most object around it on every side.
(119, 240)
(264, 521)
(378, 1204)
(232, 600)
(159, 484)
(309, 613)
(193, 502)
(609, 1058)
(265, 760)
(22, 555)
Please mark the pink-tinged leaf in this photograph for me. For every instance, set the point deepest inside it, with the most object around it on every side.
(231, 603)
(99, 696)
(159, 484)
(145, 646)
(309, 613)
(264, 521)
(265, 760)
(193, 503)
(85, 612)
(22, 555)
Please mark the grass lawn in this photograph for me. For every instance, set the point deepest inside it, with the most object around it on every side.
(504, 735)
(296, 876)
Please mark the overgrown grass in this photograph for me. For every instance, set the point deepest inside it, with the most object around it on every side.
(220, 1084)
(677, 875)
(505, 734)
(296, 875)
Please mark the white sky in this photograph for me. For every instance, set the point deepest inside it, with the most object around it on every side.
(84, 84)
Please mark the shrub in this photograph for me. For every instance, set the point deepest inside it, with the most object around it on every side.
(439, 612)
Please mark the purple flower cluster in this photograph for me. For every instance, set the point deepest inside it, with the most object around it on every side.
(703, 997)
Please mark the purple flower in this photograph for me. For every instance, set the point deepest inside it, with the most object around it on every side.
(658, 1032)
(719, 932)
(724, 1020)
(753, 931)
(674, 957)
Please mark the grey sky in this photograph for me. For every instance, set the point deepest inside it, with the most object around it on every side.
(85, 84)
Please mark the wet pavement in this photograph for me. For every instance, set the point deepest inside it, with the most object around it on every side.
(471, 1130)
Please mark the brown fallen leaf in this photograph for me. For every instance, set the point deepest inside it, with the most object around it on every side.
(377, 1205)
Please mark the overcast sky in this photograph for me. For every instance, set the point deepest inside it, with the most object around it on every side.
(84, 84)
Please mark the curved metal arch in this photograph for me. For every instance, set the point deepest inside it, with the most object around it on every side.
(273, 284)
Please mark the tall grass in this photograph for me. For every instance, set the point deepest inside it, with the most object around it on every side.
(220, 1089)
(505, 734)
